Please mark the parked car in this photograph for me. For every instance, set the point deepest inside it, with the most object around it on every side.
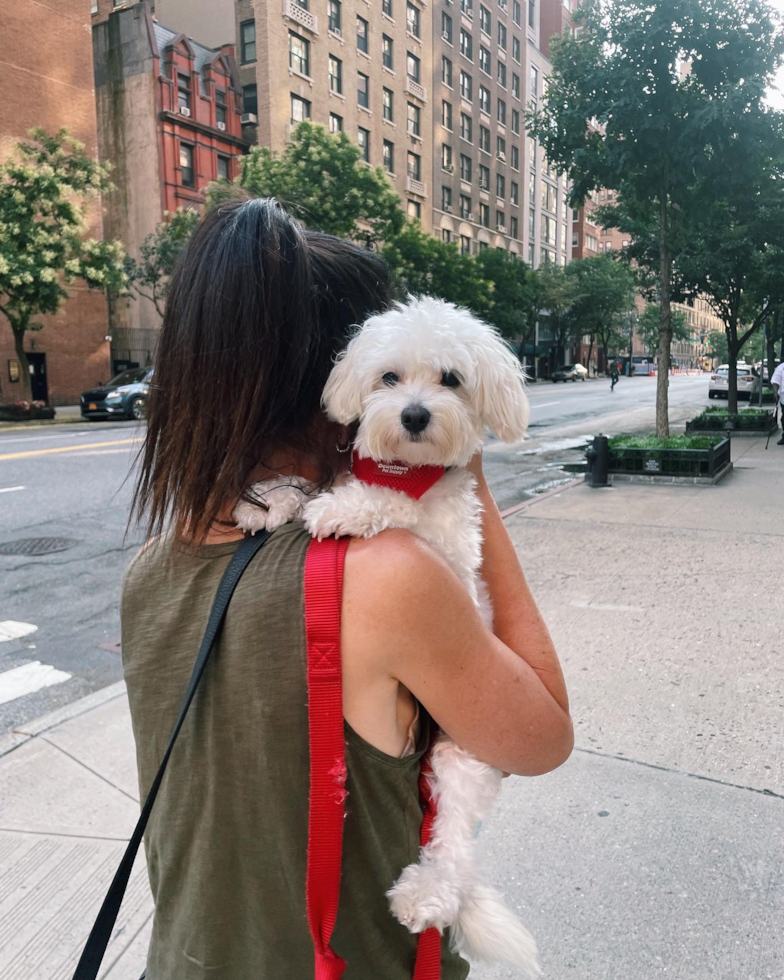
(121, 398)
(570, 372)
(748, 381)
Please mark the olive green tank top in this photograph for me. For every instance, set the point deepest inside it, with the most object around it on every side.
(227, 841)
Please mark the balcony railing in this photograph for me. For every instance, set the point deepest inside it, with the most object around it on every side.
(293, 11)
(414, 88)
(414, 186)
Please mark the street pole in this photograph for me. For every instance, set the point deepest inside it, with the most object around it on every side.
(631, 342)
(762, 361)
(536, 344)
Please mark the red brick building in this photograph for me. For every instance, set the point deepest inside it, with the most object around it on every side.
(169, 122)
(46, 76)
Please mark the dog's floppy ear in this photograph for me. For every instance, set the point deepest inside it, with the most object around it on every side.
(501, 397)
(342, 395)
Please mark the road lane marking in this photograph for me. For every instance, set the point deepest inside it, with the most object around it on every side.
(604, 606)
(10, 489)
(69, 449)
(544, 404)
(11, 630)
(28, 679)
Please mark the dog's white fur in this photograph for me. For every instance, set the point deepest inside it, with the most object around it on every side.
(419, 342)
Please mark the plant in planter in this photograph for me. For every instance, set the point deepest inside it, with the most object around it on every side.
(722, 419)
(686, 456)
(24, 411)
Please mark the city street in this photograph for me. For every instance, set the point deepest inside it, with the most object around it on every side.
(70, 482)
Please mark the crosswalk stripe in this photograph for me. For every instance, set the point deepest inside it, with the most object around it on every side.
(28, 679)
(11, 630)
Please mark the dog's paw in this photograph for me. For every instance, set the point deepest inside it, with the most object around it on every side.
(421, 898)
(328, 514)
(279, 503)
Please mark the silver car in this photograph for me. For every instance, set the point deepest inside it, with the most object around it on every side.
(748, 381)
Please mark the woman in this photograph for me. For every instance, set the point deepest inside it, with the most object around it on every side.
(257, 310)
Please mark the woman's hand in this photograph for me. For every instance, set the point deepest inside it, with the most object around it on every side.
(475, 467)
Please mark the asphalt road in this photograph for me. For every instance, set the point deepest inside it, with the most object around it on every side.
(71, 482)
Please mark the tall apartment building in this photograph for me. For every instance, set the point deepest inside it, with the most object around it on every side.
(46, 74)
(211, 21)
(358, 66)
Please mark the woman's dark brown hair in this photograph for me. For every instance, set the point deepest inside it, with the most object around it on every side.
(257, 309)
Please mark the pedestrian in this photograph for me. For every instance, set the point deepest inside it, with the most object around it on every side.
(257, 310)
(777, 383)
(614, 375)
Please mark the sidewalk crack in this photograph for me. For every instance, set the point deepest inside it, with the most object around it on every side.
(88, 768)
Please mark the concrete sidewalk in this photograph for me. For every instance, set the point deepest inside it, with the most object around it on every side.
(656, 851)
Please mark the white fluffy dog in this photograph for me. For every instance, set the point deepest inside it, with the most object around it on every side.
(423, 381)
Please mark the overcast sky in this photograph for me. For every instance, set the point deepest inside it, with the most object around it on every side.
(777, 97)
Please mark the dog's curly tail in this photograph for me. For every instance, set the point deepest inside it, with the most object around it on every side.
(487, 930)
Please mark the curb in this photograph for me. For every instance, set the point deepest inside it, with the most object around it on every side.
(523, 505)
(40, 423)
(31, 729)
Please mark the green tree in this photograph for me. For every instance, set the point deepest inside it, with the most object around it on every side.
(717, 341)
(321, 179)
(515, 297)
(667, 86)
(149, 276)
(424, 265)
(557, 293)
(648, 326)
(44, 194)
(603, 296)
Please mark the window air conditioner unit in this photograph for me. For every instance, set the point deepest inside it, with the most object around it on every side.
(445, 36)
(448, 208)
(184, 111)
(248, 119)
(501, 228)
(222, 127)
(335, 31)
(502, 157)
(448, 167)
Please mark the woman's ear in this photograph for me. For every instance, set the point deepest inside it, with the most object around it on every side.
(502, 402)
(342, 396)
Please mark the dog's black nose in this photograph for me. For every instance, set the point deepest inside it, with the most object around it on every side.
(415, 418)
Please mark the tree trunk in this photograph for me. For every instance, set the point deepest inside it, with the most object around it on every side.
(732, 360)
(26, 390)
(590, 352)
(665, 327)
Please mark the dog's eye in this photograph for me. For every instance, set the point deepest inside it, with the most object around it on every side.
(450, 380)
(390, 378)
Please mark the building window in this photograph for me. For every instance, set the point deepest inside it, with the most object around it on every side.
(575, 240)
(515, 85)
(484, 99)
(500, 221)
(465, 168)
(500, 148)
(412, 20)
(389, 157)
(386, 7)
(484, 59)
(549, 197)
(446, 114)
(547, 257)
(502, 74)
(549, 231)
(563, 238)
(335, 75)
(465, 245)
(414, 210)
(466, 87)
(363, 90)
(532, 189)
(515, 158)
(413, 66)
(501, 36)
(446, 198)
(362, 35)
(335, 123)
(516, 49)
(363, 138)
(300, 109)
(387, 52)
(446, 157)
(466, 45)
(446, 27)
(299, 54)
(484, 215)
(446, 71)
(515, 121)
(534, 82)
(531, 223)
(501, 111)
(446, 235)
(532, 13)
(413, 119)
(516, 12)
(484, 177)
(513, 227)
(465, 207)
(388, 98)
(183, 92)
(250, 99)
(186, 165)
(500, 186)
(223, 168)
(333, 16)
(531, 254)
(248, 41)
(414, 165)
(484, 139)
(532, 151)
(93, 6)
(467, 6)
(575, 214)
(484, 19)
(514, 192)
(220, 108)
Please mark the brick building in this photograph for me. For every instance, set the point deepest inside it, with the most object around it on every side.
(46, 75)
(169, 122)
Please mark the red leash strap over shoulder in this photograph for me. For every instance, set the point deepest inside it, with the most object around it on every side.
(428, 961)
(323, 598)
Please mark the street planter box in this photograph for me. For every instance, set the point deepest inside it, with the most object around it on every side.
(716, 422)
(25, 412)
(651, 464)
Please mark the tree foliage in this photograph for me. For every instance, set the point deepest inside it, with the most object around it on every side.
(159, 253)
(648, 326)
(515, 293)
(321, 179)
(557, 294)
(604, 295)
(647, 100)
(45, 189)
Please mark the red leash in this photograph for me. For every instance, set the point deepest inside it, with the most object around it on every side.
(323, 599)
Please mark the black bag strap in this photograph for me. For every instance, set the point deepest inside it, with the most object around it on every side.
(98, 940)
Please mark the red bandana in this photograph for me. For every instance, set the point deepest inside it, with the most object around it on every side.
(412, 480)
